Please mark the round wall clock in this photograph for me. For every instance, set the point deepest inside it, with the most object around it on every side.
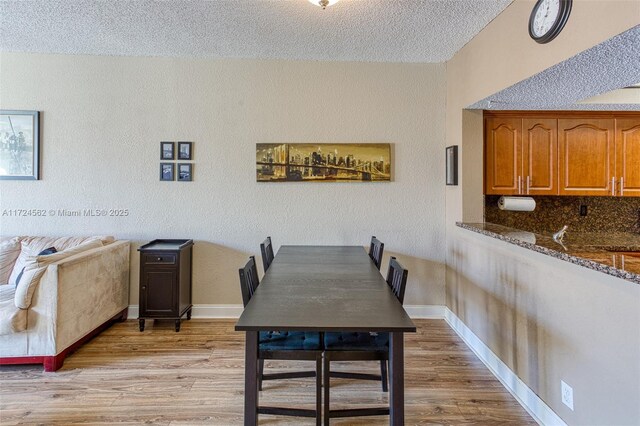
(548, 18)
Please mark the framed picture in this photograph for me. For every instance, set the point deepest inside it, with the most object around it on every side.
(184, 150)
(166, 150)
(185, 172)
(323, 162)
(19, 145)
(452, 165)
(166, 171)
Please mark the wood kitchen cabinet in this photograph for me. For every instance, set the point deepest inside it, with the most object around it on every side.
(587, 156)
(628, 156)
(521, 156)
(579, 153)
(165, 280)
(503, 155)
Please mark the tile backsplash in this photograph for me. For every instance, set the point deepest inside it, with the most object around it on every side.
(604, 214)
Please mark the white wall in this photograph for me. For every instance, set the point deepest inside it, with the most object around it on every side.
(103, 119)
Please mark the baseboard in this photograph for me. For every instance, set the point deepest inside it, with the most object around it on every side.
(202, 311)
(234, 311)
(535, 406)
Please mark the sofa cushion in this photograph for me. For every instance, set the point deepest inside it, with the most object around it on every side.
(33, 245)
(12, 319)
(9, 252)
(35, 266)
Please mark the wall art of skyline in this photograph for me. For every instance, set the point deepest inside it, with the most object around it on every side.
(324, 162)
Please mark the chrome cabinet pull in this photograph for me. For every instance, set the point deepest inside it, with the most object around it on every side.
(613, 186)
(621, 185)
(519, 184)
(528, 184)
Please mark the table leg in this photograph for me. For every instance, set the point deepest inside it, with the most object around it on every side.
(396, 377)
(251, 379)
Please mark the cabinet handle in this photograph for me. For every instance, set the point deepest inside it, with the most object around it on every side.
(613, 186)
(519, 184)
(621, 185)
(528, 183)
(159, 259)
(144, 287)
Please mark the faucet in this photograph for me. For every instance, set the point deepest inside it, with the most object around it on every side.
(558, 236)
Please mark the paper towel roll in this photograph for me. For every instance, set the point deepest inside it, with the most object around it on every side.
(517, 204)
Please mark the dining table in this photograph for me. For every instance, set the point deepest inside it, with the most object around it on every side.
(324, 289)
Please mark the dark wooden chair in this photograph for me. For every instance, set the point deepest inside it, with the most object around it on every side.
(267, 253)
(375, 251)
(296, 345)
(353, 346)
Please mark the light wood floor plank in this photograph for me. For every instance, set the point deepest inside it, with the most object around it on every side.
(196, 376)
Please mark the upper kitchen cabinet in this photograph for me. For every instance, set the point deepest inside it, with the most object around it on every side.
(539, 156)
(503, 155)
(587, 156)
(628, 156)
(521, 156)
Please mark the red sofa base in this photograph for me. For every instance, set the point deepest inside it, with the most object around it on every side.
(53, 363)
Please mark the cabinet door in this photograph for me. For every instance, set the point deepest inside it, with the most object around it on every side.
(158, 293)
(628, 156)
(503, 156)
(587, 156)
(539, 156)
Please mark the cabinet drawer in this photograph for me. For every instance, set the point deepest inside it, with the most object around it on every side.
(159, 259)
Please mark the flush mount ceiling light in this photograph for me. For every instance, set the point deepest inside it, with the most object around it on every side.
(323, 3)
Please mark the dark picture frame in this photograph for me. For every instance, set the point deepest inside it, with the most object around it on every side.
(167, 172)
(185, 172)
(452, 164)
(19, 145)
(167, 150)
(185, 150)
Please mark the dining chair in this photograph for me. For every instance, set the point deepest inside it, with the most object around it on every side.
(267, 253)
(353, 346)
(375, 251)
(285, 345)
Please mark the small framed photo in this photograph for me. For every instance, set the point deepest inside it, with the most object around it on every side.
(184, 150)
(166, 150)
(185, 172)
(166, 171)
(452, 165)
(19, 145)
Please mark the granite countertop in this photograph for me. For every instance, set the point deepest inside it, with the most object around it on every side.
(616, 253)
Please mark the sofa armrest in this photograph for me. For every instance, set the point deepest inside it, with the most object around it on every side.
(92, 287)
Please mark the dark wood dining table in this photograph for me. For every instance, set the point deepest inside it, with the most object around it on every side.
(324, 288)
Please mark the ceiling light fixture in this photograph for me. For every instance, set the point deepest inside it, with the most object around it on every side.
(323, 3)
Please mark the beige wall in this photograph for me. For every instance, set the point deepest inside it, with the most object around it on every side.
(546, 319)
(104, 117)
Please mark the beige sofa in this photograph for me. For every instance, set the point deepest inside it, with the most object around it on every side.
(72, 296)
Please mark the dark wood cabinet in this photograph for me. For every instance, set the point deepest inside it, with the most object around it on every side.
(165, 280)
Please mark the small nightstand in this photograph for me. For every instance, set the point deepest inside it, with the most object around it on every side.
(165, 280)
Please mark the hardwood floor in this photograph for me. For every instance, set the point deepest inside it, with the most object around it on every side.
(196, 376)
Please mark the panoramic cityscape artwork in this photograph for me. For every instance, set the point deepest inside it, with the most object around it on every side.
(325, 162)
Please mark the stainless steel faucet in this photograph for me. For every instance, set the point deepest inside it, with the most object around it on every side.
(558, 236)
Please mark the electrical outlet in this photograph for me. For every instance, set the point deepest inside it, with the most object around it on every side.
(567, 394)
(583, 210)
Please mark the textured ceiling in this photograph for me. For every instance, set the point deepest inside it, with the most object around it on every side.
(351, 30)
(610, 65)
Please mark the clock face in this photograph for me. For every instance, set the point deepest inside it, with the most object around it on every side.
(548, 18)
(545, 16)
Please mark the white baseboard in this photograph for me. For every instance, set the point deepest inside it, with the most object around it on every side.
(536, 407)
(234, 311)
(425, 311)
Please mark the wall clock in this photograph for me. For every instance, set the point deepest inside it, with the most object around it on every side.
(548, 18)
